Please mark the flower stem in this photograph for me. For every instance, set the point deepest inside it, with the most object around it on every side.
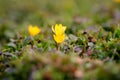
(58, 47)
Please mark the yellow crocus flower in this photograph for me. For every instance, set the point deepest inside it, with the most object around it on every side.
(59, 33)
(117, 1)
(33, 30)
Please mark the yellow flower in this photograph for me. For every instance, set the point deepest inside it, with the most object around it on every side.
(33, 30)
(59, 33)
(117, 1)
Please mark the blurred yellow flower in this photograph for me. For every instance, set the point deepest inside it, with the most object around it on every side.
(118, 1)
(33, 30)
(59, 33)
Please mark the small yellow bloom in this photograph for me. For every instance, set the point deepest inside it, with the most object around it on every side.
(117, 1)
(34, 30)
(59, 33)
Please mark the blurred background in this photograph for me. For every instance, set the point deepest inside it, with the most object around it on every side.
(16, 15)
(91, 50)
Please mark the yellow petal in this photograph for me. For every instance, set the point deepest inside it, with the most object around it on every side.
(59, 38)
(59, 29)
(53, 29)
(63, 29)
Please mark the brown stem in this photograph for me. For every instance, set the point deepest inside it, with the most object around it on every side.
(58, 47)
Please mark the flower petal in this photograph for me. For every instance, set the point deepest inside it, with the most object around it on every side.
(59, 38)
(53, 29)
